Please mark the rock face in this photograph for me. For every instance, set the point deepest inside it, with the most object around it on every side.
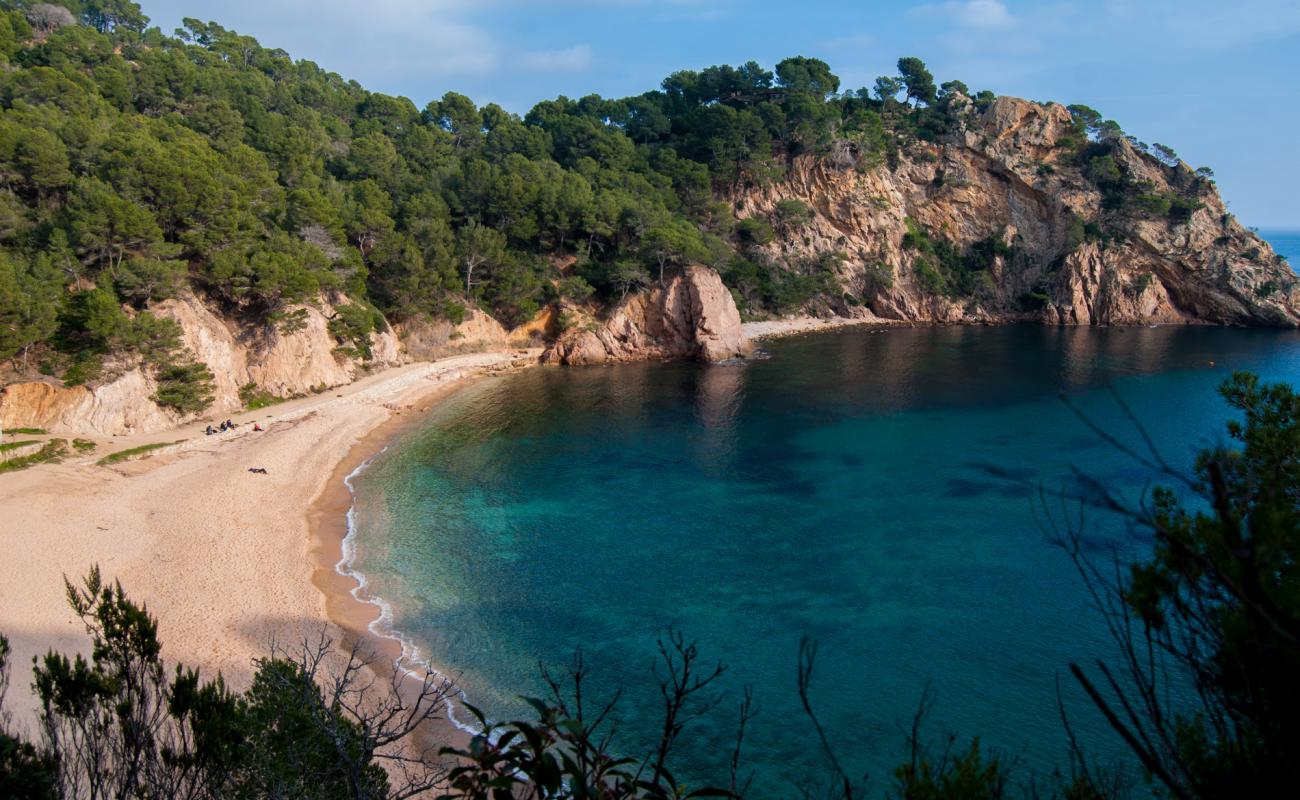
(426, 340)
(693, 316)
(280, 363)
(1011, 174)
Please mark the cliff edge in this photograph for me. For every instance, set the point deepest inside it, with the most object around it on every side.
(1018, 214)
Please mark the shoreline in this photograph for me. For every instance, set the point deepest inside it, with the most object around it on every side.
(759, 330)
(330, 523)
(224, 560)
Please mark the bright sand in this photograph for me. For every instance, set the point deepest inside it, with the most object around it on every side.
(227, 560)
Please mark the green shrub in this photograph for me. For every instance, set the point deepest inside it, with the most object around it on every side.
(134, 452)
(253, 397)
(576, 289)
(85, 369)
(1076, 233)
(1157, 205)
(942, 268)
(54, 451)
(186, 388)
(453, 311)
(929, 277)
(289, 322)
(351, 326)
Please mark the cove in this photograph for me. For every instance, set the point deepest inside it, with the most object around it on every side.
(874, 489)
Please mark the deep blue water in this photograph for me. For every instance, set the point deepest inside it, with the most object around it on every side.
(841, 489)
(1286, 243)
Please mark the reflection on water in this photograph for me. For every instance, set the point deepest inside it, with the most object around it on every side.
(870, 489)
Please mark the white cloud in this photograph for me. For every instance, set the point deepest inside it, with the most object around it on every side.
(985, 14)
(570, 59)
(375, 41)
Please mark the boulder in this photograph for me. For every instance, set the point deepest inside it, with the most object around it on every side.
(693, 316)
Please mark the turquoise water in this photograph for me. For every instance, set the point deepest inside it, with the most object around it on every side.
(840, 489)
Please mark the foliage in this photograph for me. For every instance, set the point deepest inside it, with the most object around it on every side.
(942, 268)
(917, 80)
(760, 284)
(352, 326)
(137, 166)
(134, 452)
(1216, 603)
(791, 215)
(254, 397)
(185, 387)
(141, 165)
(120, 724)
(26, 773)
(52, 452)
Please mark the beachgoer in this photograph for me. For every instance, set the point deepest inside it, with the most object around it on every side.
(210, 431)
(257, 428)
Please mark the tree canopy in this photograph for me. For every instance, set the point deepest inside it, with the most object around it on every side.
(138, 165)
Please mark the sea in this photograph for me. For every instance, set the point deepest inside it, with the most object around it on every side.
(897, 496)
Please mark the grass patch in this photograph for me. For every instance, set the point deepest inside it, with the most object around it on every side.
(27, 431)
(53, 451)
(83, 446)
(254, 398)
(127, 455)
(5, 447)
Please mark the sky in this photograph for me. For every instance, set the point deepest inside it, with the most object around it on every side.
(1215, 80)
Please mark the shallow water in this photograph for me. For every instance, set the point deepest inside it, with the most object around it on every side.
(872, 489)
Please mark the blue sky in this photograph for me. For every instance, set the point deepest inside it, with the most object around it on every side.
(1217, 81)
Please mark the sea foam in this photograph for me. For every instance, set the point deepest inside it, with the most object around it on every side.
(384, 627)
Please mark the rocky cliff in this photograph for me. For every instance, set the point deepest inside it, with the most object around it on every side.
(271, 360)
(692, 316)
(1012, 214)
(1038, 231)
(275, 361)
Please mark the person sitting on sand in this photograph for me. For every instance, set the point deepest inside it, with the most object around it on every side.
(210, 431)
(257, 428)
(230, 423)
(224, 428)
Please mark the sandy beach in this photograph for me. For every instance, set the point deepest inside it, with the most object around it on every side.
(227, 560)
(793, 326)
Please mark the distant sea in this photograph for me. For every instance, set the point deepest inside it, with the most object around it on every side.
(1286, 243)
(876, 490)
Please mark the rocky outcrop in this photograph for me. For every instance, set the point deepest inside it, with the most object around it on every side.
(282, 362)
(426, 340)
(693, 316)
(119, 407)
(1012, 174)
